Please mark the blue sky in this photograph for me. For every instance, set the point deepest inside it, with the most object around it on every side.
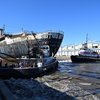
(75, 18)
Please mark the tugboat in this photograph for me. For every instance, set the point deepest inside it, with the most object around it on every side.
(25, 67)
(85, 55)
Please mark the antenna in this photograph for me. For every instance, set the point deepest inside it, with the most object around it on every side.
(87, 38)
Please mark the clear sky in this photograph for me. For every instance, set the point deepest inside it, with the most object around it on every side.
(75, 18)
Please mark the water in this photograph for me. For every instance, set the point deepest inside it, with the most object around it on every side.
(79, 80)
(86, 75)
(89, 70)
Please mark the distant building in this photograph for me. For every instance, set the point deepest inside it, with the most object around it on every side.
(74, 49)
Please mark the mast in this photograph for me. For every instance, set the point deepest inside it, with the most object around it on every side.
(36, 39)
(87, 40)
(38, 44)
(85, 45)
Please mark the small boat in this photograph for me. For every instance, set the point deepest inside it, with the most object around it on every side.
(85, 55)
(26, 67)
(35, 70)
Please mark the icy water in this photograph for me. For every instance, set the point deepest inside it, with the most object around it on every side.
(79, 81)
(89, 70)
(86, 75)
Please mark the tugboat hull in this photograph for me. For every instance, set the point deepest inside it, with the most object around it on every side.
(82, 59)
(28, 72)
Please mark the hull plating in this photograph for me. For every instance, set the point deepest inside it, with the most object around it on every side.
(19, 46)
(82, 59)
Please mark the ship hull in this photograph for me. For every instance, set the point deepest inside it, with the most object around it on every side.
(18, 47)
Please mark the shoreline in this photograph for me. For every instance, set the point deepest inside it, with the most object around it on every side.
(62, 57)
(50, 87)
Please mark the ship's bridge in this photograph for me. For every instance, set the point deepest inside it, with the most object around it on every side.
(50, 35)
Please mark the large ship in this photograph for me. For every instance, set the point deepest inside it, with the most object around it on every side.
(20, 44)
